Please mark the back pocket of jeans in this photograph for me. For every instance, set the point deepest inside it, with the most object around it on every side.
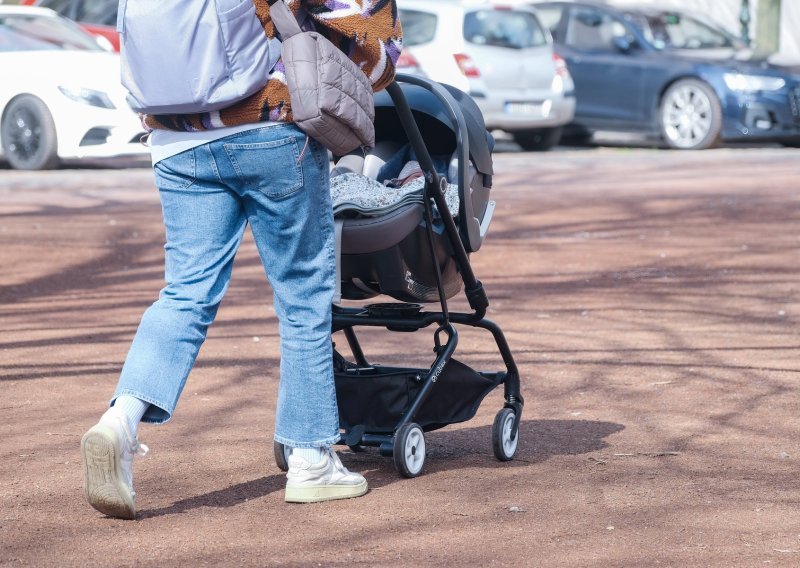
(176, 172)
(271, 167)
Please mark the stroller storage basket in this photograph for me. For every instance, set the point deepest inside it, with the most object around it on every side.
(376, 398)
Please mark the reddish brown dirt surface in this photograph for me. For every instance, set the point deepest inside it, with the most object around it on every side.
(651, 299)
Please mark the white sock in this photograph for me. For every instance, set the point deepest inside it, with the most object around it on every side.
(133, 408)
(311, 455)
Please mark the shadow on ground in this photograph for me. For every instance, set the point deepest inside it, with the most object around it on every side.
(447, 450)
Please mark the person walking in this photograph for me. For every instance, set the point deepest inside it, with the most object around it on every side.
(217, 172)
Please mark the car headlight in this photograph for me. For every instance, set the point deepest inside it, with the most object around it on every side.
(87, 96)
(741, 82)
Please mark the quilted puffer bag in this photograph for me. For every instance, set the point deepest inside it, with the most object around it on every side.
(331, 96)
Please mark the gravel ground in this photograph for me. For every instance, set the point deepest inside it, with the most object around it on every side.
(651, 299)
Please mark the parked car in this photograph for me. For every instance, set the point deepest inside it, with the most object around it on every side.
(501, 55)
(670, 74)
(98, 17)
(60, 96)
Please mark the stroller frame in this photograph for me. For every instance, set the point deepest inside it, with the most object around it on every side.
(404, 443)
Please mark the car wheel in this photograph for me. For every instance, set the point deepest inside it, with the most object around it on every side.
(29, 135)
(793, 143)
(538, 140)
(690, 116)
(576, 136)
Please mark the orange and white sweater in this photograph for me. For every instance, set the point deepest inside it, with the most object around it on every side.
(368, 31)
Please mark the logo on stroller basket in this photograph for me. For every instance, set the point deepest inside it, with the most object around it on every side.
(438, 371)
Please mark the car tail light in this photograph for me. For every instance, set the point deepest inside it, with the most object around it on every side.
(467, 65)
(562, 80)
(406, 60)
(561, 66)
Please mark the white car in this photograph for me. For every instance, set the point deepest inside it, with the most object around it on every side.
(60, 93)
(501, 55)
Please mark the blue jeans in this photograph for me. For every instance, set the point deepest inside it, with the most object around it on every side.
(208, 196)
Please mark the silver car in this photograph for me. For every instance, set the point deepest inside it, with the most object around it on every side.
(498, 53)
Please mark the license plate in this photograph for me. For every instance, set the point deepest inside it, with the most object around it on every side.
(525, 109)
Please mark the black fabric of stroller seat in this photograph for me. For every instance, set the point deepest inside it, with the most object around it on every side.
(376, 398)
(373, 234)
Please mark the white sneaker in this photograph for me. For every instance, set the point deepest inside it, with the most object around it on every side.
(323, 481)
(107, 450)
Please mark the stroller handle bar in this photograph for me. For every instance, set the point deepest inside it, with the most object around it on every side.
(469, 224)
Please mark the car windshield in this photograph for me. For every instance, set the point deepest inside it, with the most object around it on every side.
(670, 30)
(26, 32)
(504, 28)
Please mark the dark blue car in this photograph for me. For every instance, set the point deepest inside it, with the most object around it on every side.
(672, 75)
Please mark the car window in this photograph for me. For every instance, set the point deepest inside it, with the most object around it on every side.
(20, 32)
(677, 31)
(97, 12)
(504, 28)
(594, 30)
(418, 27)
(60, 6)
(550, 16)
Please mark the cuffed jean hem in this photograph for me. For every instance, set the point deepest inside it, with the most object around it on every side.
(318, 444)
(157, 413)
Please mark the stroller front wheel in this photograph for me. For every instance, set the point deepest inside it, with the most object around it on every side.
(504, 438)
(409, 450)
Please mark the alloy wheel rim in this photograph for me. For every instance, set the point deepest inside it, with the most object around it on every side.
(687, 116)
(509, 444)
(24, 134)
(415, 450)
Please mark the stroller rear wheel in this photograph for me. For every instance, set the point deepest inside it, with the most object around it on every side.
(504, 438)
(281, 455)
(409, 450)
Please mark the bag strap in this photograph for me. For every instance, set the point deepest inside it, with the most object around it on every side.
(283, 19)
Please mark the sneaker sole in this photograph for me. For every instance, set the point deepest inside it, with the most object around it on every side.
(103, 483)
(324, 493)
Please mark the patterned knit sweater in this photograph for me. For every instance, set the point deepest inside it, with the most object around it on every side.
(368, 31)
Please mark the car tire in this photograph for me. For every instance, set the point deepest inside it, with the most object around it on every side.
(576, 136)
(538, 140)
(793, 143)
(690, 116)
(29, 135)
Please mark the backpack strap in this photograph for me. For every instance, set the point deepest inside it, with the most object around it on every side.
(283, 19)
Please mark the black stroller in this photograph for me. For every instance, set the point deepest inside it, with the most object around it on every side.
(414, 255)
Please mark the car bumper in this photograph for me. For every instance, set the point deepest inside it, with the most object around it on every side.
(90, 132)
(763, 116)
(522, 115)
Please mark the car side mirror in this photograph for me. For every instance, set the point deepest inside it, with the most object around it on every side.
(623, 44)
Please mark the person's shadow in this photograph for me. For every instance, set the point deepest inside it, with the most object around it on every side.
(446, 449)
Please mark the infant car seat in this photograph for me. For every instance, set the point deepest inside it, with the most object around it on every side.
(391, 253)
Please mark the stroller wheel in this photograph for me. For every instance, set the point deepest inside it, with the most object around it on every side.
(409, 450)
(281, 455)
(504, 443)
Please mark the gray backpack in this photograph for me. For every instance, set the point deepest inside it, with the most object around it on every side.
(188, 56)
